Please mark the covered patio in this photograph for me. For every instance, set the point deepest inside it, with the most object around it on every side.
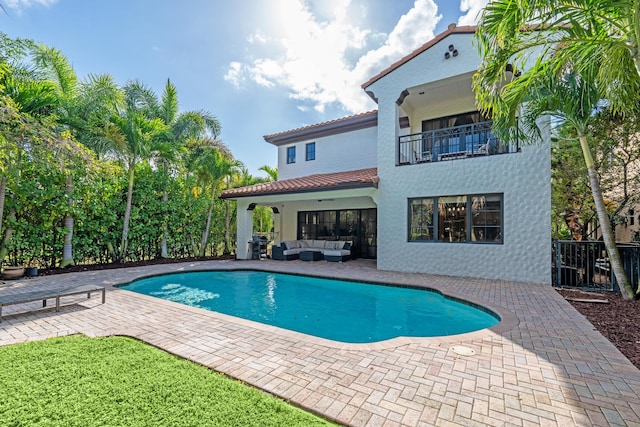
(298, 205)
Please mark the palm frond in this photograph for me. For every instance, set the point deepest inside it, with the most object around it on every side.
(142, 98)
(169, 105)
(57, 69)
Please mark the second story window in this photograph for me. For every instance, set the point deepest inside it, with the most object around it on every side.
(310, 151)
(291, 154)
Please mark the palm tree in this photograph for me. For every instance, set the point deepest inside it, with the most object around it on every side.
(45, 86)
(272, 173)
(568, 55)
(132, 133)
(211, 162)
(597, 37)
(98, 99)
(236, 169)
(172, 147)
(56, 68)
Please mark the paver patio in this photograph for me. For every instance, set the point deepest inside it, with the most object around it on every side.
(543, 365)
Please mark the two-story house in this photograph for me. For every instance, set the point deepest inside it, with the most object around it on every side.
(421, 184)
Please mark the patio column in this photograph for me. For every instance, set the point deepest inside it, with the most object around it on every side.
(244, 229)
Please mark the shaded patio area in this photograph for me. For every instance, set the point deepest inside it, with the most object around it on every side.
(543, 365)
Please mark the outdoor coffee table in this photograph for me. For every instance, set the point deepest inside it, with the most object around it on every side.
(310, 255)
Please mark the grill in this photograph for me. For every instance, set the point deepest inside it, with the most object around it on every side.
(258, 247)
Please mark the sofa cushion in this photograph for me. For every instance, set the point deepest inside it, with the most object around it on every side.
(292, 244)
(317, 244)
(336, 252)
(295, 251)
(304, 243)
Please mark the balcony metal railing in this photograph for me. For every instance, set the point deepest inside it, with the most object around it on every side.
(458, 142)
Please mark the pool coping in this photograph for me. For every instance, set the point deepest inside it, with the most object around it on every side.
(507, 319)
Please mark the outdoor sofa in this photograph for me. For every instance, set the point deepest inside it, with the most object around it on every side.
(331, 250)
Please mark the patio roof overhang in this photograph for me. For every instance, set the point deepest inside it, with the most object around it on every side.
(356, 183)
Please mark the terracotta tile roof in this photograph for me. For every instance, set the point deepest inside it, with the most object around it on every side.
(450, 30)
(319, 182)
(343, 124)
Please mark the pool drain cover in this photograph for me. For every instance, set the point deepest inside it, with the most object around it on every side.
(462, 350)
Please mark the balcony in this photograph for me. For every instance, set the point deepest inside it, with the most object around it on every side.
(453, 143)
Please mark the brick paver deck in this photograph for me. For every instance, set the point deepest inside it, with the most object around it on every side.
(543, 365)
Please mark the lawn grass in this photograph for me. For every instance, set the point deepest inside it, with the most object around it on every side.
(118, 381)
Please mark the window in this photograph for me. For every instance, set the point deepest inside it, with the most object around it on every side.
(420, 219)
(470, 219)
(486, 222)
(310, 151)
(452, 219)
(291, 154)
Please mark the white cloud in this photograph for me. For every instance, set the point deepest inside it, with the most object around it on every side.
(19, 5)
(234, 75)
(313, 63)
(257, 37)
(472, 9)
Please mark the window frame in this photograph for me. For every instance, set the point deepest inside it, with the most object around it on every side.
(291, 155)
(307, 152)
(469, 226)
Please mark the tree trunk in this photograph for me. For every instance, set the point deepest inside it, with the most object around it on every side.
(227, 225)
(3, 192)
(165, 229)
(67, 248)
(8, 233)
(207, 229)
(164, 253)
(605, 224)
(127, 215)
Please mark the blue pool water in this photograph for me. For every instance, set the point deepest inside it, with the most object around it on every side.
(334, 309)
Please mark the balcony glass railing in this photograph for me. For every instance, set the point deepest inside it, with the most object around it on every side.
(458, 142)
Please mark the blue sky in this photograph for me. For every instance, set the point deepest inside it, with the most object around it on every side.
(260, 66)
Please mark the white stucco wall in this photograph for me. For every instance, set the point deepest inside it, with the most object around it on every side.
(523, 178)
(336, 153)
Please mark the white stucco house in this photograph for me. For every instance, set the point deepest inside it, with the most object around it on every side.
(420, 184)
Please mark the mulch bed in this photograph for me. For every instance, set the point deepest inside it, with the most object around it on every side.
(618, 320)
(92, 267)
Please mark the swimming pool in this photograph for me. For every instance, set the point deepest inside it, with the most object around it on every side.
(338, 310)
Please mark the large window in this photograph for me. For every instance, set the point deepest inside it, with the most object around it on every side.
(470, 219)
(310, 151)
(291, 154)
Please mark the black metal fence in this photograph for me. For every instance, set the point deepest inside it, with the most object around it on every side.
(585, 265)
